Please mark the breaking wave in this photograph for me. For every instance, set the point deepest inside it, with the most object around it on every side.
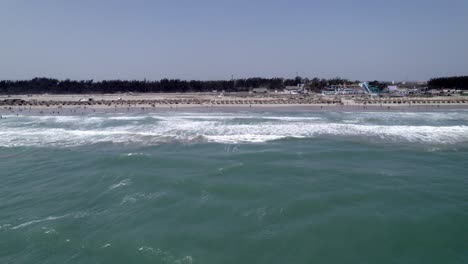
(433, 128)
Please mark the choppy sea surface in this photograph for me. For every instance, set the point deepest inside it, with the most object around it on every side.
(246, 187)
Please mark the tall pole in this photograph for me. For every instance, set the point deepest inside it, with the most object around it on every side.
(233, 83)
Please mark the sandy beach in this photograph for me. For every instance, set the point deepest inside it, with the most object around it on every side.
(86, 103)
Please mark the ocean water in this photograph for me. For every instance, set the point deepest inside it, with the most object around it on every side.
(247, 187)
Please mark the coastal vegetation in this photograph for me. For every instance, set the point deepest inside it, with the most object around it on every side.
(458, 82)
(55, 86)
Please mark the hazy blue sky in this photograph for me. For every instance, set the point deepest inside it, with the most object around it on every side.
(196, 39)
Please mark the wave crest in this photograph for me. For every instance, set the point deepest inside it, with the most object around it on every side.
(185, 128)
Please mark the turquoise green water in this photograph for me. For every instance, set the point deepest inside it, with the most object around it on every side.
(235, 188)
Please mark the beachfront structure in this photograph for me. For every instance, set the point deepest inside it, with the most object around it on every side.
(402, 91)
(298, 89)
(392, 88)
(260, 90)
(343, 89)
(369, 89)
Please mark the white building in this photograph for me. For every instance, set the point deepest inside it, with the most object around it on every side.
(299, 89)
(392, 88)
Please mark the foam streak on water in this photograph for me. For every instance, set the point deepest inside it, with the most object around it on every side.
(49, 218)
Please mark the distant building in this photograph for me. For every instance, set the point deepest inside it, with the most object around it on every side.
(260, 90)
(299, 89)
(434, 92)
(343, 89)
(324, 92)
(392, 88)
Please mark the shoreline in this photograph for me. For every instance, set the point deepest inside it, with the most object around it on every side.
(147, 103)
(41, 110)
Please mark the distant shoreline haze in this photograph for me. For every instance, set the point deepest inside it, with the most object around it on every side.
(55, 86)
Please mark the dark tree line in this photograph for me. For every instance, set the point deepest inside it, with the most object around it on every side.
(378, 85)
(54, 86)
(460, 82)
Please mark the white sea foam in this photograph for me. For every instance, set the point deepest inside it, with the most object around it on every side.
(184, 260)
(128, 199)
(165, 256)
(122, 183)
(231, 128)
(133, 198)
(50, 231)
(127, 118)
(4, 226)
(50, 218)
(135, 154)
